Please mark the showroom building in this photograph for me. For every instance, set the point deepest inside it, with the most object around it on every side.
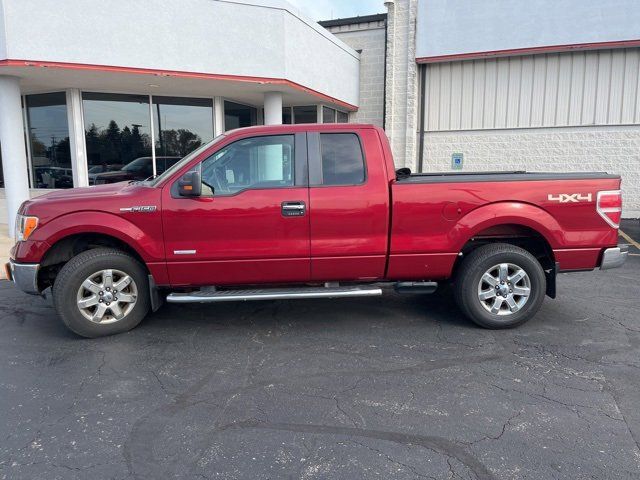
(504, 85)
(130, 87)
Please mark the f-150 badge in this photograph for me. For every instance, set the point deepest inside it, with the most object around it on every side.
(140, 208)
(569, 197)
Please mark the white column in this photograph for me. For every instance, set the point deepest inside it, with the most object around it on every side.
(273, 108)
(77, 140)
(14, 155)
(218, 116)
(152, 128)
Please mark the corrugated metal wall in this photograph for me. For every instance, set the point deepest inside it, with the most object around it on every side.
(567, 89)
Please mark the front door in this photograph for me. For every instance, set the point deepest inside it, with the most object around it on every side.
(250, 225)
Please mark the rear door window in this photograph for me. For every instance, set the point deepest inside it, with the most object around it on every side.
(342, 159)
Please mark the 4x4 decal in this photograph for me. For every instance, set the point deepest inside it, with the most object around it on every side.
(569, 197)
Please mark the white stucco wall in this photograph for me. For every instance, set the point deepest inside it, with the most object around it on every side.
(369, 39)
(258, 38)
(3, 39)
(612, 149)
(447, 27)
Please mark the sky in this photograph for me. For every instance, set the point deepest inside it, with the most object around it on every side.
(330, 9)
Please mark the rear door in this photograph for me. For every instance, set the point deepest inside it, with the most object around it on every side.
(250, 225)
(349, 205)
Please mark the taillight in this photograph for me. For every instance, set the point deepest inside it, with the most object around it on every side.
(609, 207)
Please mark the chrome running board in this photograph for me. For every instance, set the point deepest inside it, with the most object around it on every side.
(211, 295)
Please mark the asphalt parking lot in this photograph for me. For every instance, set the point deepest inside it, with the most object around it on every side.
(395, 387)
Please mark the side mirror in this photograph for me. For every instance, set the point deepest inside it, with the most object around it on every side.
(190, 185)
(403, 173)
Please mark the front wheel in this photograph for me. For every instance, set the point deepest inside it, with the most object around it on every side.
(101, 292)
(500, 286)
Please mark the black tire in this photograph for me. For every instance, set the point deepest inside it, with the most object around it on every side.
(469, 276)
(82, 266)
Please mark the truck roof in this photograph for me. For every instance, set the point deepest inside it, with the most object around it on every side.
(303, 127)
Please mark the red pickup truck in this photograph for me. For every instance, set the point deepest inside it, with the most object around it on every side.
(311, 211)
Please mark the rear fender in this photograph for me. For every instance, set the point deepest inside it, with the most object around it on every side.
(507, 213)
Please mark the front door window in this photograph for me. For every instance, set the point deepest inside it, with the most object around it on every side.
(252, 163)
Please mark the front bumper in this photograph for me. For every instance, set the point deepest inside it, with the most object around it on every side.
(24, 275)
(614, 257)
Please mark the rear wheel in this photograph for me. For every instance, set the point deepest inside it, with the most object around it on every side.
(500, 286)
(101, 292)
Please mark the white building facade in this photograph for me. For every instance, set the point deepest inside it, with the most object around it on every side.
(89, 96)
(512, 85)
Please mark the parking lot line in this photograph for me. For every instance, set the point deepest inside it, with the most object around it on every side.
(629, 239)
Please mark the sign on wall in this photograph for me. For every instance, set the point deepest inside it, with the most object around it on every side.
(457, 160)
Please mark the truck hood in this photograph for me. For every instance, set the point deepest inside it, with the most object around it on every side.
(84, 192)
(109, 198)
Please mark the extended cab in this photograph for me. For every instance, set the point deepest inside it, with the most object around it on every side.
(311, 211)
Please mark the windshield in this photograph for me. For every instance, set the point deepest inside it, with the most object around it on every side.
(137, 165)
(177, 166)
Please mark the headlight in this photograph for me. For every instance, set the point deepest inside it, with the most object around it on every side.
(25, 226)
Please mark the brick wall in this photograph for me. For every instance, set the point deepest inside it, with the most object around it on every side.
(402, 82)
(369, 38)
(613, 149)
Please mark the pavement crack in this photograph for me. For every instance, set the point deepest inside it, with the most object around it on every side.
(411, 468)
(502, 430)
(439, 445)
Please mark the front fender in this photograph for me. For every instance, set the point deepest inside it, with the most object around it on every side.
(507, 213)
(143, 234)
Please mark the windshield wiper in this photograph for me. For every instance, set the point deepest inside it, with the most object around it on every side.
(133, 182)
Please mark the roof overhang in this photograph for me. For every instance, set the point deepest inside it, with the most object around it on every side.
(40, 77)
(529, 51)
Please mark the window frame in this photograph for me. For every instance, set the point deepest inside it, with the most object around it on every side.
(334, 114)
(316, 175)
(226, 100)
(300, 166)
(338, 113)
(26, 124)
(308, 106)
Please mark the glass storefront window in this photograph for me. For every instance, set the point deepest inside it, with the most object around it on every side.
(238, 116)
(117, 132)
(181, 125)
(343, 117)
(286, 116)
(328, 115)
(306, 114)
(49, 140)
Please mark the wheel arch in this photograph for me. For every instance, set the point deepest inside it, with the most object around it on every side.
(68, 246)
(498, 215)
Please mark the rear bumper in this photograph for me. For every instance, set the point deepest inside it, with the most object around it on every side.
(24, 275)
(614, 257)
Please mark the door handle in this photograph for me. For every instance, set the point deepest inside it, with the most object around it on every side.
(293, 209)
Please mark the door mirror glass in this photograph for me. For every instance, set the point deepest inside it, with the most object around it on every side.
(190, 185)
